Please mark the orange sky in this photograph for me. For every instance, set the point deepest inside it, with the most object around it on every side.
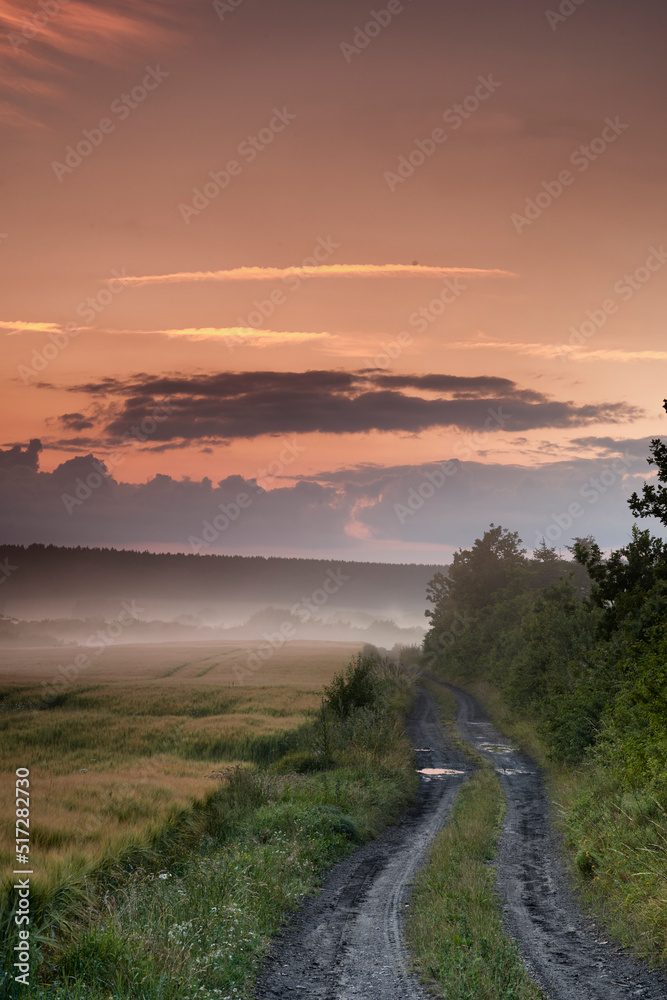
(317, 144)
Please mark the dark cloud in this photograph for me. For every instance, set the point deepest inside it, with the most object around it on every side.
(75, 422)
(399, 513)
(612, 446)
(231, 405)
(76, 444)
(460, 386)
(65, 474)
(17, 456)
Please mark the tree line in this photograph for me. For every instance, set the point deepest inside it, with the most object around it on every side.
(580, 646)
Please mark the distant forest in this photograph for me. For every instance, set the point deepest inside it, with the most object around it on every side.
(43, 571)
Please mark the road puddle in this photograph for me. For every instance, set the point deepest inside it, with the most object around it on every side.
(496, 748)
(430, 771)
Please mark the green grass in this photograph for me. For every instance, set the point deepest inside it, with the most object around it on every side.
(199, 925)
(455, 929)
(615, 834)
(617, 838)
(192, 915)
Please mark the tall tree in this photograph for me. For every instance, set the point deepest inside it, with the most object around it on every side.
(653, 501)
(474, 578)
(621, 583)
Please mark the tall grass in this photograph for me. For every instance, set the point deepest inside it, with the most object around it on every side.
(191, 914)
(617, 837)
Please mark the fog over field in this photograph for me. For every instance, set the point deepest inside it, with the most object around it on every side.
(57, 596)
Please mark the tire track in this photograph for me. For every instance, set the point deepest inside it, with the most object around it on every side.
(565, 952)
(347, 943)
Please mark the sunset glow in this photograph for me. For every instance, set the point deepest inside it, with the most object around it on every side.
(445, 244)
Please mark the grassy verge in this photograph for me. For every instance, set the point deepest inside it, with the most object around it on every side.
(193, 916)
(455, 928)
(615, 835)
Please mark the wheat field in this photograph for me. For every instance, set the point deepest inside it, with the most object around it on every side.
(124, 739)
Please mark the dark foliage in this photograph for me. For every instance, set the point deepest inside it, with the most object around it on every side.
(588, 667)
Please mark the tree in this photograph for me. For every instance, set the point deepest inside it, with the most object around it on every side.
(653, 501)
(621, 583)
(476, 574)
(474, 579)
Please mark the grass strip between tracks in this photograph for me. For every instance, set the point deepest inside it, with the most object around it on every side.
(454, 929)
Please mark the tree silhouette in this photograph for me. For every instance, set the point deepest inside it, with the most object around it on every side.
(653, 501)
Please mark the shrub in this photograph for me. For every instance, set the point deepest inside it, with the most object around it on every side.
(300, 762)
(357, 687)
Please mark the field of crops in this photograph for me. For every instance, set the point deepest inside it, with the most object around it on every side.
(124, 739)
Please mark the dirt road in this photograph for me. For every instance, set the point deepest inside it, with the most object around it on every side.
(346, 944)
(565, 953)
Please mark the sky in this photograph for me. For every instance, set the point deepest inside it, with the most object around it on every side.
(329, 280)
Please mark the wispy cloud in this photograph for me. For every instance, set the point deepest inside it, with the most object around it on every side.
(25, 326)
(568, 351)
(615, 355)
(235, 335)
(40, 48)
(516, 347)
(239, 335)
(318, 271)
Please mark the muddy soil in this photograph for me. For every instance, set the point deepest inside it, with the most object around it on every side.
(567, 954)
(347, 941)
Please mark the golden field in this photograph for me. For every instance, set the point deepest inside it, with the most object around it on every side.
(138, 732)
